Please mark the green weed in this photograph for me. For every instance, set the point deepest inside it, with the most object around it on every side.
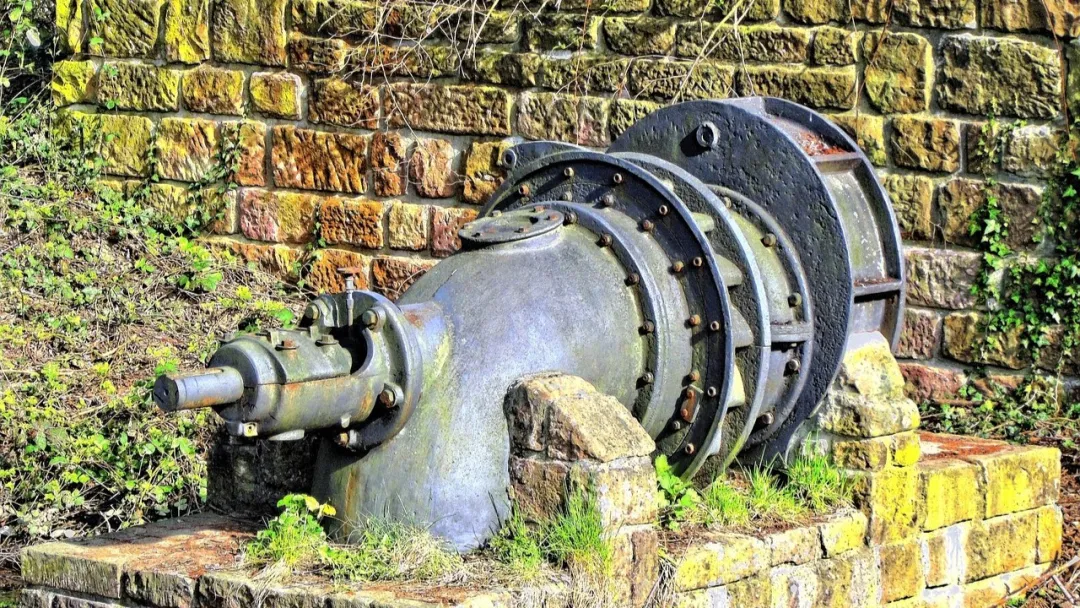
(817, 483)
(576, 537)
(519, 547)
(723, 505)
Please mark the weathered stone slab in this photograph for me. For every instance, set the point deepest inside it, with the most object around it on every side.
(999, 76)
(214, 91)
(187, 31)
(317, 160)
(464, 109)
(130, 30)
(249, 31)
(138, 86)
(276, 94)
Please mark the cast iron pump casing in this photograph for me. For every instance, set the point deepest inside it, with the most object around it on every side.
(707, 270)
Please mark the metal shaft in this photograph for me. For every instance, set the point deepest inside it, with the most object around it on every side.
(194, 390)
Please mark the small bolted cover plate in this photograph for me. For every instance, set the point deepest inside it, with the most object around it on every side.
(511, 226)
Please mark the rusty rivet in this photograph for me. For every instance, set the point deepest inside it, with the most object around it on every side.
(648, 327)
(697, 262)
(695, 320)
(676, 425)
(686, 414)
(370, 318)
(647, 225)
(605, 240)
(617, 178)
(795, 299)
(538, 209)
(647, 378)
(342, 439)
(387, 397)
(712, 391)
(714, 326)
(793, 366)
(633, 279)
(690, 449)
(552, 217)
(607, 200)
(523, 189)
(287, 344)
(769, 240)
(568, 172)
(695, 375)
(678, 266)
(663, 210)
(568, 196)
(570, 218)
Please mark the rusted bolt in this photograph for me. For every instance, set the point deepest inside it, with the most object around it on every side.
(552, 217)
(388, 397)
(676, 425)
(686, 413)
(312, 312)
(678, 266)
(326, 340)
(769, 240)
(523, 190)
(342, 439)
(793, 366)
(697, 262)
(607, 200)
(690, 449)
(663, 210)
(712, 391)
(647, 378)
(647, 225)
(568, 172)
(606, 240)
(695, 375)
(287, 344)
(633, 279)
(764, 420)
(617, 178)
(570, 218)
(568, 196)
(714, 326)
(795, 299)
(648, 327)
(538, 209)
(695, 320)
(370, 318)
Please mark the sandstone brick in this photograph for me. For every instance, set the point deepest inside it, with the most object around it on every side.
(901, 570)
(392, 276)
(600, 6)
(925, 383)
(893, 500)
(791, 586)
(408, 226)
(348, 104)
(965, 341)
(876, 453)
(130, 30)
(626, 112)
(35, 598)
(445, 223)
(73, 82)
(757, 10)
(951, 493)
(277, 260)
(431, 168)
(869, 369)
(388, 162)
(921, 334)
(911, 197)
(767, 43)
(276, 94)
(984, 144)
(843, 533)
(1032, 151)
(868, 132)
(317, 55)
(943, 555)
(1058, 16)
(795, 546)
(562, 31)
(941, 278)
(639, 35)
(249, 31)
(944, 14)
(926, 143)
(677, 80)
(351, 222)
(68, 566)
(855, 415)
(729, 558)
(584, 74)
(315, 160)
(999, 545)
(999, 76)
(335, 18)
(463, 109)
(1019, 478)
(835, 46)
(323, 276)
(1048, 541)
(899, 72)
(214, 91)
(960, 197)
(276, 216)
(499, 67)
(483, 170)
(137, 86)
(1072, 82)
(187, 31)
(160, 588)
(249, 139)
(817, 11)
(580, 120)
(187, 148)
(826, 88)
(70, 30)
(835, 577)
(990, 591)
(125, 143)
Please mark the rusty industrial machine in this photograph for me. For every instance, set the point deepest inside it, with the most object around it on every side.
(707, 271)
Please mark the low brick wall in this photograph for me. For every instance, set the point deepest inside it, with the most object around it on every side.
(972, 521)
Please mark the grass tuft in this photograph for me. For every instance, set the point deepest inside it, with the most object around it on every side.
(817, 483)
(518, 546)
(576, 538)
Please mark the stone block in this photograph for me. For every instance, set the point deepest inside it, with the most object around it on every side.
(580, 120)
(792, 586)
(943, 557)
(951, 493)
(941, 14)
(756, 10)
(927, 383)
(853, 415)
(329, 56)
(464, 109)
(344, 103)
(316, 160)
(67, 601)
(965, 340)
(795, 546)
(212, 90)
(583, 74)
(278, 216)
(74, 568)
(901, 449)
(249, 31)
(843, 532)
(999, 545)
(276, 94)
(70, 29)
(990, 591)
(73, 82)
(125, 143)
(392, 276)
(187, 31)
(724, 559)
(35, 598)
(1019, 478)
(137, 86)
(912, 197)
(1057, 16)
(356, 222)
(445, 223)
(1032, 151)
(931, 144)
(500, 67)
(941, 278)
(562, 32)
(901, 570)
(323, 276)
(921, 334)
(131, 29)
(835, 46)
(160, 588)
(483, 170)
(249, 139)
(279, 261)
(680, 80)
(1000, 76)
(835, 579)
(1050, 530)
(187, 148)
(432, 168)
(817, 11)
(823, 88)
(891, 496)
(899, 72)
(960, 197)
(637, 36)
(768, 43)
(408, 226)
(626, 112)
(869, 133)
(388, 151)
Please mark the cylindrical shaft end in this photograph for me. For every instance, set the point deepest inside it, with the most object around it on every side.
(193, 390)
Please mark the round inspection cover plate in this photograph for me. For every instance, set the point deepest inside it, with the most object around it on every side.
(511, 226)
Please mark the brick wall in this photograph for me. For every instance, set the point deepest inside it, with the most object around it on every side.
(339, 122)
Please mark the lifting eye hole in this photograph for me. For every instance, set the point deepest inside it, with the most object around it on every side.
(362, 349)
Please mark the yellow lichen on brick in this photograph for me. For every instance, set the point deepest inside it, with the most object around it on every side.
(892, 498)
(1048, 541)
(901, 570)
(729, 558)
(1020, 478)
(951, 492)
(843, 533)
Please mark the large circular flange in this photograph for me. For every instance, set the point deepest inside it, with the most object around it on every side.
(509, 227)
(601, 181)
